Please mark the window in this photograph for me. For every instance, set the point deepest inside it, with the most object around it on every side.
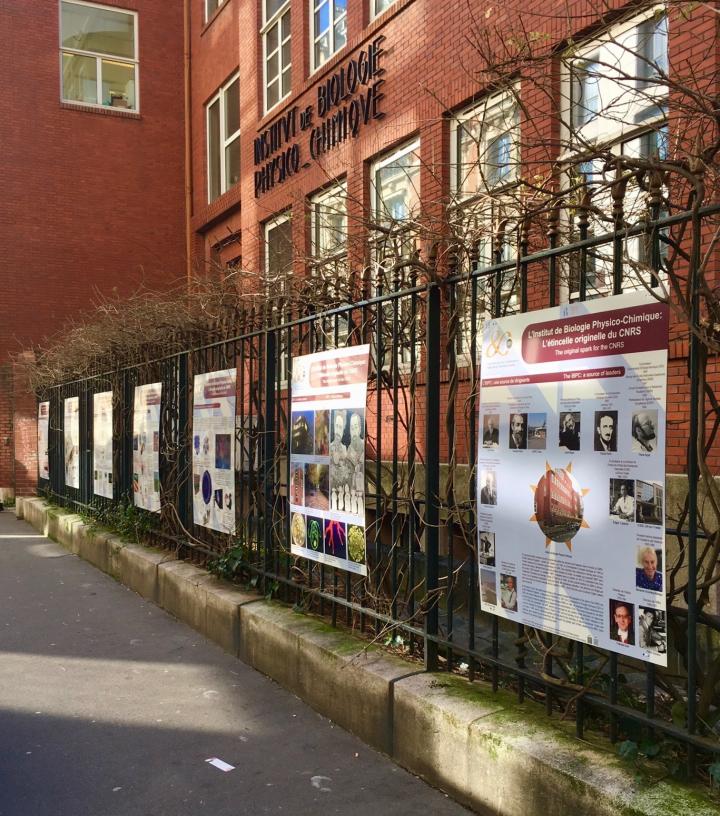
(276, 50)
(615, 84)
(378, 6)
(328, 224)
(98, 53)
(328, 228)
(278, 265)
(211, 6)
(618, 108)
(329, 27)
(395, 188)
(485, 155)
(223, 139)
(485, 151)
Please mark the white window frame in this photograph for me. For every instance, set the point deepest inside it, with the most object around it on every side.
(380, 164)
(374, 7)
(379, 212)
(333, 263)
(209, 14)
(337, 194)
(493, 113)
(283, 354)
(602, 129)
(267, 26)
(224, 142)
(616, 136)
(135, 62)
(315, 36)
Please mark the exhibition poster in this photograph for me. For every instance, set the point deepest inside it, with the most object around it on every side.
(214, 450)
(43, 435)
(103, 444)
(571, 472)
(146, 446)
(327, 457)
(71, 433)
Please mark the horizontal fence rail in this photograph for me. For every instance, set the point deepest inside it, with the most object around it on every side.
(421, 592)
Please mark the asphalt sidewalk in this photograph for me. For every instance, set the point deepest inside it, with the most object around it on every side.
(111, 707)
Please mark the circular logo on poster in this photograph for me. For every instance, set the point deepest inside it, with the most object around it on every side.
(559, 505)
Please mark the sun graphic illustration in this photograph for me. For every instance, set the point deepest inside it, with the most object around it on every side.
(559, 505)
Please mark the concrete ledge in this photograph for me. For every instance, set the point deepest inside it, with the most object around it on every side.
(490, 752)
(325, 668)
(500, 756)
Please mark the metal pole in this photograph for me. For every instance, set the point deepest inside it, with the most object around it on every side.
(432, 473)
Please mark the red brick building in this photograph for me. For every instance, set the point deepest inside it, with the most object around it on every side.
(92, 198)
(306, 120)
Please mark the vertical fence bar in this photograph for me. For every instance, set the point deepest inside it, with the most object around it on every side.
(695, 397)
(184, 440)
(268, 463)
(432, 473)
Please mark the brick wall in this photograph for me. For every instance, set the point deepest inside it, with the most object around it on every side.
(92, 199)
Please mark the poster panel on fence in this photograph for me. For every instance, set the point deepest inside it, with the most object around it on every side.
(103, 444)
(571, 472)
(327, 457)
(71, 434)
(146, 446)
(43, 435)
(214, 450)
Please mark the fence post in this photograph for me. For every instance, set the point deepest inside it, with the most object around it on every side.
(432, 473)
(184, 463)
(268, 463)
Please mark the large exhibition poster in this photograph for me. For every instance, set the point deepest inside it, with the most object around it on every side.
(71, 433)
(571, 472)
(327, 457)
(43, 435)
(146, 446)
(214, 450)
(103, 444)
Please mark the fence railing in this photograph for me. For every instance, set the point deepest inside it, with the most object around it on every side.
(421, 590)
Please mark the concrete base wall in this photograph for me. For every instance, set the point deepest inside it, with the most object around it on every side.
(490, 752)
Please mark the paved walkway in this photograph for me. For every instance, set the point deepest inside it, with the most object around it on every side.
(111, 707)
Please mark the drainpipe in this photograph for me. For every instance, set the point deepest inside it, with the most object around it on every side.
(188, 143)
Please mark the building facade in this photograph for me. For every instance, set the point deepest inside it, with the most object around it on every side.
(92, 202)
(315, 132)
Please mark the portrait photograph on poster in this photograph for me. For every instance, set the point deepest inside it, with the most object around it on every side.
(574, 494)
(327, 456)
(518, 431)
(491, 430)
(622, 499)
(622, 627)
(606, 431)
(488, 491)
(486, 548)
(649, 570)
(569, 435)
(652, 634)
(508, 592)
(644, 431)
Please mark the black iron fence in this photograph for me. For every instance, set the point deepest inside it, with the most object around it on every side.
(421, 592)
